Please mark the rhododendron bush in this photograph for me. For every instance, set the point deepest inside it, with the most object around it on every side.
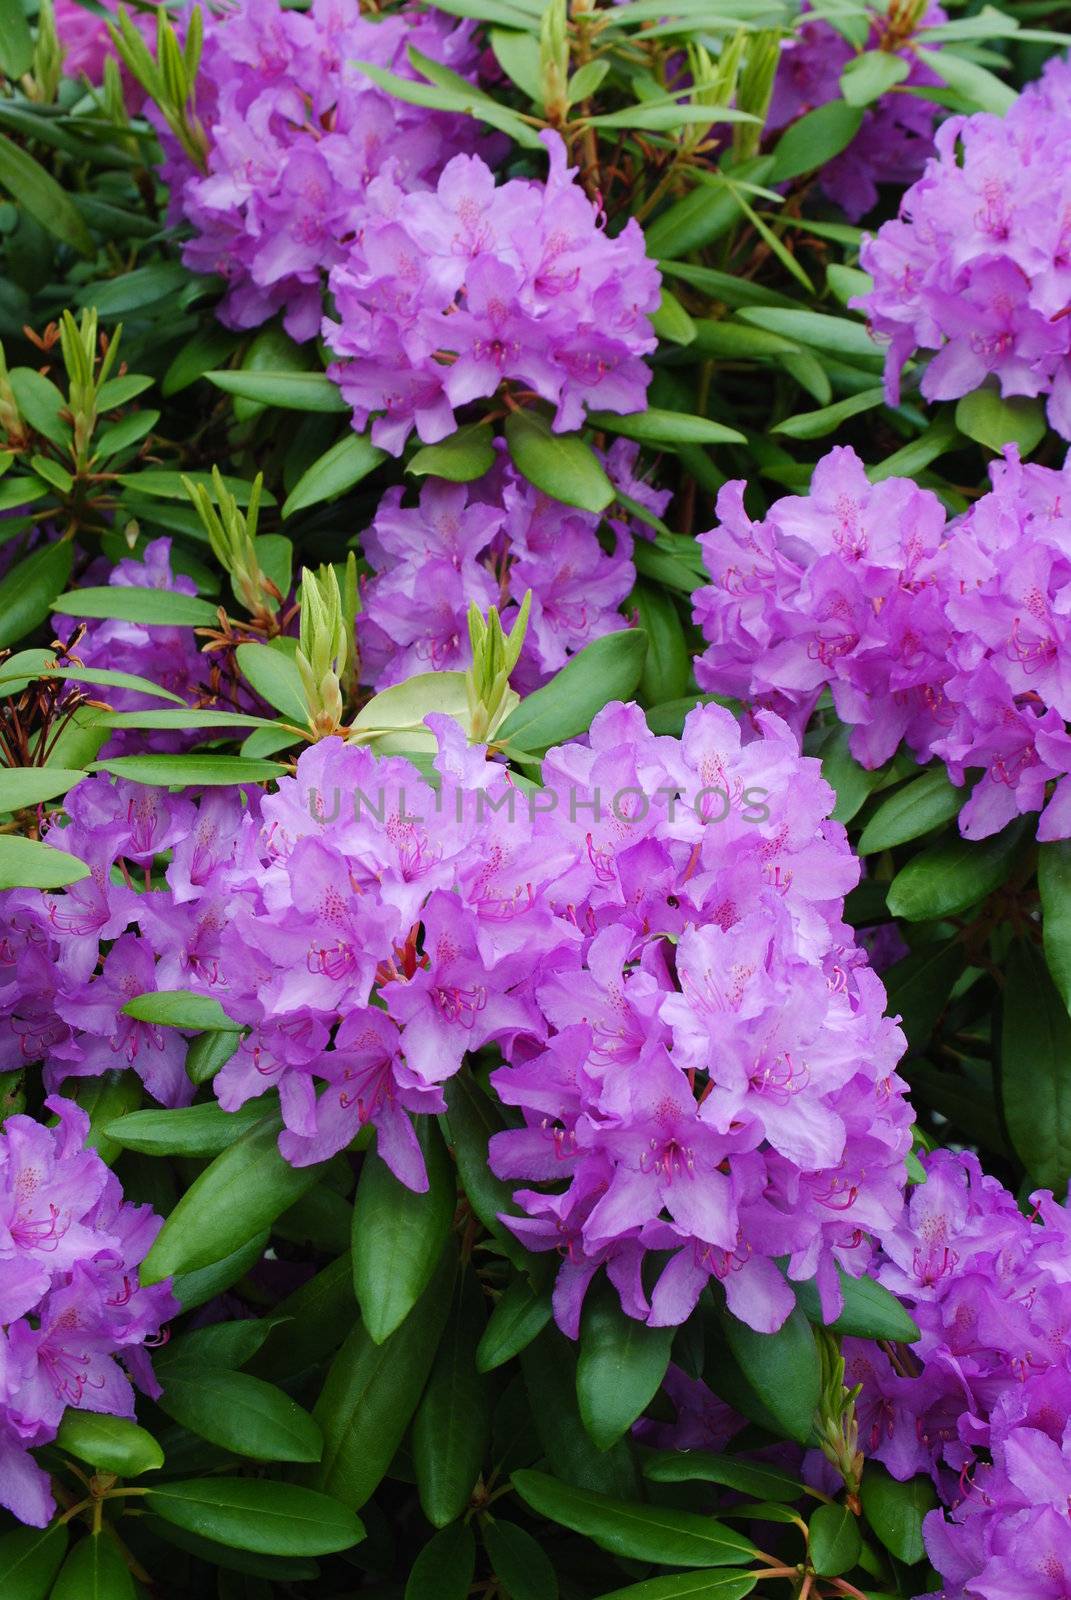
(535, 800)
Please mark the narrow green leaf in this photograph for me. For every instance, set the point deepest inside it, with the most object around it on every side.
(31, 864)
(192, 771)
(842, 336)
(519, 1316)
(158, 484)
(702, 1466)
(291, 391)
(452, 1425)
(32, 786)
(199, 1132)
(1054, 884)
(16, 40)
(179, 1008)
(620, 1367)
(924, 804)
(896, 1510)
(30, 1559)
(255, 1514)
(947, 879)
(29, 185)
(111, 1444)
(667, 428)
(463, 457)
(398, 1235)
(520, 1562)
(1034, 1079)
(870, 75)
(150, 607)
(239, 1413)
(783, 1369)
(445, 1566)
(660, 1534)
(713, 1585)
(29, 591)
(607, 669)
(94, 1570)
(816, 424)
(560, 464)
(336, 471)
(814, 139)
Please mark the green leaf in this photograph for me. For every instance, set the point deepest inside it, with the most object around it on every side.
(336, 471)
(29, 1561)
(452, 1425)
(713, 1585)
(671, 322)
(275, 1519)
(111, 1444)
(131, 291)
(312, 1322)
(119, 391)
(667, 428)
(30, 864)
(560, 464)
(841, 336)
(275, 677)
(179, 1008)
(291, 391)
(521, 1313)
(922, 805)
(94, 1570)
(748, 1477)
(548, 1367)
(30, 186)
(200, 1131)
(190, 771)
(667, 668)
(241, 1193)
(445, 1566)
(160, 485)
(619, 1369)
(105, 1100)
(192, 1289)
(835, 1543)
(1054, 884)
(197, 356)
(371, 1391)
(208, 1053)
(980, 90)
(816, 424)
(32, 786)
(870, 75)
(660, 1534)
(947, 879)
(398, 1235)
(121, 435)
(221, 1344)
(703, 215)
(851, 782)
(463, 457)
(29, 591)
(607, 669)
(914, 457)
(269, 1569)
(814, 139)
(46, 668)
(895, 1511)
(870, 1310)
(783, 1369)
(16, 40)
(520, 1563)
(41, 404)
(471, 1120)
(1035, 1083)
(919, 986)
(239, 1413)
(149, 607)
(986, 417)
(171, 718)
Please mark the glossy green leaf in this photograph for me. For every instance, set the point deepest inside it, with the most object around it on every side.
(291, 391)
(842, 336)
(713, 1585)
(31, 864)
(947, 879)
(150, 607)
(870, 1310)
(336, 472)
(814, 139)
(782, 1368)
(1054, 885)
(46, 668)
(238, 1412)
(520, 1315)
(471, 1120)
(198, 356)
(660, 1534)
(398, 1234)
(196, 1131)
(371, 1391)
(94, 1570)
(208, 1053)
(201, 1284)
(667, 667)
(16, 40)
(520, 1563)
(32, 786)
(895, 1511)
(980, 89)
(922, 805)
(275, 677)
(445, 1566)
(162, 485)
(702, 1466)
(548, 1365)
(29, 185)
(620, 1367)
(241, 1193)
(870, 75)
(835, 1543)
(30, 1559)
(221, 1344)
(560, 464)
(919, 986)
(990, 419)
(607, 669)
(256, 1514)
(179, 1008)
(190, 771)
(460, 458)
(452, 1425)
(111, 1444)
(817, 424)
(666, 428)
(1035, 1079)
(29, 591)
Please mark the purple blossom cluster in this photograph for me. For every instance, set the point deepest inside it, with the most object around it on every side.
(948, 635)
(981, 1402)
(977, 266)
(300, 141)
(895, 137)
(492, 542)
(446, 294)
(367, 930)
(74, 1321)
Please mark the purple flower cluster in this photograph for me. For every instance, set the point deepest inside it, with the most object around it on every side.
(978, 265)
(951, 637)
(300, 139)
(982, 1400)
(895, 137)
(72, 1314)
(368, 930)
(491, 542)
(446, 294)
